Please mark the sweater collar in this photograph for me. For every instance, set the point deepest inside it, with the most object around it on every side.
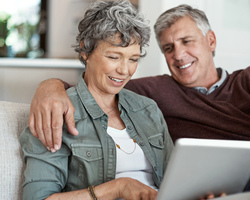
(222, 74)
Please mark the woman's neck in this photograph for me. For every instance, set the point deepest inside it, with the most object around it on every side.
(107, 102)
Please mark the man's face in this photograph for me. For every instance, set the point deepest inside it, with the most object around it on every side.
(189, 54)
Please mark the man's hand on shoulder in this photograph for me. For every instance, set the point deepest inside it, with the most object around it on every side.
(49, 107)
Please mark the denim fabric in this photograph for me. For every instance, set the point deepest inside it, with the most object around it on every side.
(90, 157)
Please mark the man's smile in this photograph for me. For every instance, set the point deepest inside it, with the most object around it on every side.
(185, 66)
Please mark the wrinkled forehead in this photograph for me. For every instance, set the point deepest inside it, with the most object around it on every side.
(183, 28)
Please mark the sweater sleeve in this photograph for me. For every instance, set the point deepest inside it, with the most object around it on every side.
(67, 85)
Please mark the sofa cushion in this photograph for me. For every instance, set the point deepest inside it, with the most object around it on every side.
(13, 120)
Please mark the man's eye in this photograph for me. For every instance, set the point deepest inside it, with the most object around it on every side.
(135, 60)
(167, 49)
(187, 41)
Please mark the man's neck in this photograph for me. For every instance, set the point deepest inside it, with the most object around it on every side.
(214, 77)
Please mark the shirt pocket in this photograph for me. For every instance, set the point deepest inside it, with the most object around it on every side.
(87, 153)
(157, 144)
(156, 141)
(88, 162)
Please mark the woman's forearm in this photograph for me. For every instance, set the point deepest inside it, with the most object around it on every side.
(73, 195)
(106, 190)
(126, 188)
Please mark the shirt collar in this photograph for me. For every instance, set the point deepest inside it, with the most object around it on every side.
(91, 105)
(222, 74)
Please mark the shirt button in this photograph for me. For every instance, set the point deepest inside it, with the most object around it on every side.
(141, 143)
(160, 142)
(155, 168)
(129, 127)
(203, 91)
(88, 153)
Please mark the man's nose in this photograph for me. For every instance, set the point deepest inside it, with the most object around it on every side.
(179, 52)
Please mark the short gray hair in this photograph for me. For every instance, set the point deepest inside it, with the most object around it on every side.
(170, 16)
(106, 19)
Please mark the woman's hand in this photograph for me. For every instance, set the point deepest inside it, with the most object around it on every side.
(50, 103)
(133, 189)
(125, 188)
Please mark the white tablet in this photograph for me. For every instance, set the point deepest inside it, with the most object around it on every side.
(198, 167)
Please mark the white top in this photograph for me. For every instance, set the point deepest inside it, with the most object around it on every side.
(134, 165)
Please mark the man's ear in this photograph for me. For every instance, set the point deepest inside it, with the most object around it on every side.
(211, 40)
(84, 56)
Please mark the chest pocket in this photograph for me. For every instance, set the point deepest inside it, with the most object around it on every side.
(157, 144)
(87, 153)
(156, 141)
(88, 162)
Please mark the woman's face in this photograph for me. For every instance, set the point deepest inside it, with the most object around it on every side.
(109, 68)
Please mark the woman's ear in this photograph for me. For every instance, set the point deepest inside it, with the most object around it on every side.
(84, 56)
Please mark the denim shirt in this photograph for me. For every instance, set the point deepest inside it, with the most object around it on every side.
(90, 157)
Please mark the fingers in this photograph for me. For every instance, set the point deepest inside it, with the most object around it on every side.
(48, 107)
(35, 125)
(46, 130)
(70, 121)
(134, 189)
(212, 196)
(223, 194)
(57, 124)
(32, 125)
(47, 126)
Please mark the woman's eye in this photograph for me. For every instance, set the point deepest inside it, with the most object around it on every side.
(112, 57)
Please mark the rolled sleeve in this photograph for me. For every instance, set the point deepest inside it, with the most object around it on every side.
(45, 173)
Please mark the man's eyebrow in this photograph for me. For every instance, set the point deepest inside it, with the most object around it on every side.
(187, 37)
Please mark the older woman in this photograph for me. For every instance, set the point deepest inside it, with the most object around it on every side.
(123, 144)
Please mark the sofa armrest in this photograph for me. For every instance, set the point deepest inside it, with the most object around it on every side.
(13, 120)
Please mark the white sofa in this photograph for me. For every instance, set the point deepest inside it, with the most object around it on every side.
(13, 119)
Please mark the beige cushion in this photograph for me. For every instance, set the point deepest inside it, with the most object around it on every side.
(13, 119)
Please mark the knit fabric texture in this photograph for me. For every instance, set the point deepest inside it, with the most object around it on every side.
(13, 119)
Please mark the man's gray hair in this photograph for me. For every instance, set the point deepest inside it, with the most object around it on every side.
(105, 20)
(170, 16)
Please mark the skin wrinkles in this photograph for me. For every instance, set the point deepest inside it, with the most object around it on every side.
(109, 68)
(189, 54)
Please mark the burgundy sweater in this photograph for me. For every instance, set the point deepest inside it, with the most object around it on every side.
(223, 114)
